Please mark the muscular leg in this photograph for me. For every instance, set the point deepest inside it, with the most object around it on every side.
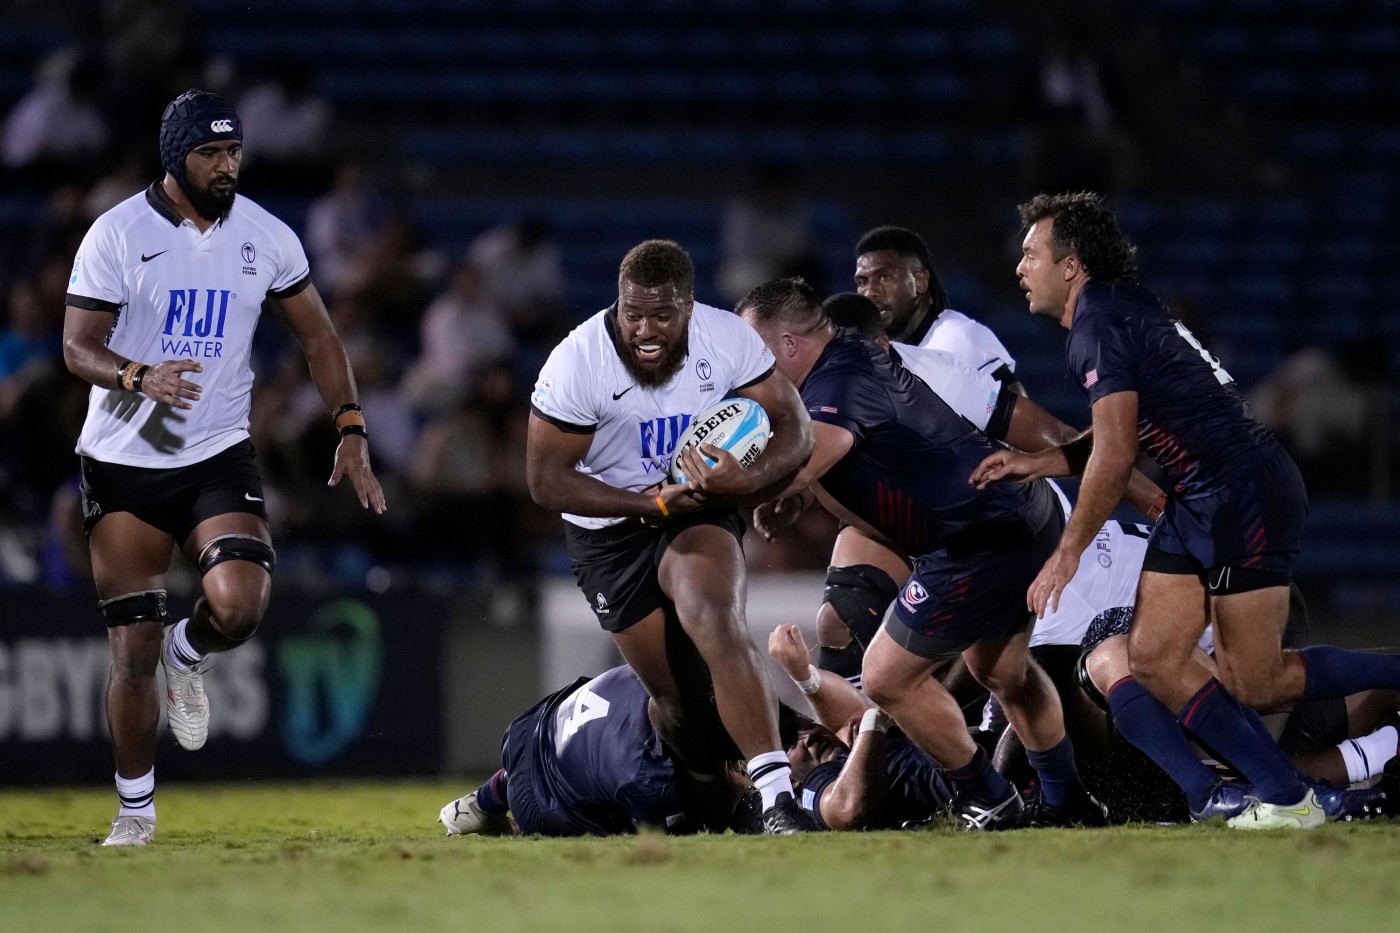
(898, 681)
(680, 707)
(129, 556)
(703, 574)
(1248, 640)
(236, 592)
(1169, 619)
(1025, 693)
(855, 601)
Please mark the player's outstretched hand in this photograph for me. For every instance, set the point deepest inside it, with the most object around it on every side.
(725, 479)
(1051, 582)
(352, 460)
(1007, 466)
(681, 498)
(789, 649)
(164, 383)
(770, 518)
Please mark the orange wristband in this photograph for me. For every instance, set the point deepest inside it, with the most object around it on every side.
(661, 504)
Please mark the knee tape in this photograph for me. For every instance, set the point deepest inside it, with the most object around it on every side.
(237, 547)
(146, 606)
(860, 594)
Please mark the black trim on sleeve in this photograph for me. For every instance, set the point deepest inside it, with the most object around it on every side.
(565, 426)
(91, 304)
(1000, 422)
(296, 288)
(162, 205)
(756, 380)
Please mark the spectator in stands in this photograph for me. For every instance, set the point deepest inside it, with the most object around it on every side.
(1332, 410)
(468, 476)
(341, 225)
(462, 330)
(767, 234)
(58, 125)
(524, 276)
(286, 125)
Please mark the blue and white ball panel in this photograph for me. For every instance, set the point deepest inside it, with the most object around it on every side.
(737, 425)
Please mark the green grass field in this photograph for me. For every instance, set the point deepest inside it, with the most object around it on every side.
(369, 856)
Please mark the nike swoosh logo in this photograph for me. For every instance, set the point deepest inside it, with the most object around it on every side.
(1299, 811)
(618, 395)
(252, 498)
(145, 258)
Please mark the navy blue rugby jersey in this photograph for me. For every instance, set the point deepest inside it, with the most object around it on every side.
(906, 473)
(916, 787)
(1191, 417)
(597, 756)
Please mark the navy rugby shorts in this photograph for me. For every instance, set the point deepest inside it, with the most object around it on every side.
(1253, 524)
(957, 596)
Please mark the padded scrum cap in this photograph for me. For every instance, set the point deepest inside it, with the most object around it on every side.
(193, 119)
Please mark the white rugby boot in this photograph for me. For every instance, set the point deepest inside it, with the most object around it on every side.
(464, 817)
(1305, 814)
(186, 706)
(130, 831)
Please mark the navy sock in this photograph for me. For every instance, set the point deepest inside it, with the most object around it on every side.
(1143, 720)
(1219, 720)
(1337, 672)
(978, 779)
(1059, 778)
(491, 796)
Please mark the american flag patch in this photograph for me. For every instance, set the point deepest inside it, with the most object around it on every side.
(1091, 377)
(827, 409)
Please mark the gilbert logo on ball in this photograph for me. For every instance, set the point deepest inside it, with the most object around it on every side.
(737, 425)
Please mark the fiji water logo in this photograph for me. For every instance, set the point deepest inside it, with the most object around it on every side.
(659, 437)
(194, 322)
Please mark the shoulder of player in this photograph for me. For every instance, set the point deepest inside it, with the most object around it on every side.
(249, 213)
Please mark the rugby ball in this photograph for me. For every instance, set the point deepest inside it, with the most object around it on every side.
(736, 424)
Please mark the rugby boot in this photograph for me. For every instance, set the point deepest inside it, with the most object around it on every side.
(1083, 811)
(186, 706)
(747, 819)
(976, 815)
(131, 831)
(464, 817)
(1344, 805)
(786, 817)
(1229, 799)
(1305, 814)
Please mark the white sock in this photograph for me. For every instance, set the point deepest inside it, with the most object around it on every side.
(137, 795)
(179, 652)
(771, 775)
(1366, 757)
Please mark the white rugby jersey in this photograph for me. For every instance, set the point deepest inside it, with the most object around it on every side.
(1107, 578)
(584, 388)
(178, 294)
(969, 392)
(969, 341)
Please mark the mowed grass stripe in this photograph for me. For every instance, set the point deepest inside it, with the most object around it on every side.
(369, 856)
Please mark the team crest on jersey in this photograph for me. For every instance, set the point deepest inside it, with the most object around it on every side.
(249, 254)
(705, 371)
(913, 594)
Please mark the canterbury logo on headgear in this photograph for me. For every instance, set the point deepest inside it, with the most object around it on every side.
(221, 126)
